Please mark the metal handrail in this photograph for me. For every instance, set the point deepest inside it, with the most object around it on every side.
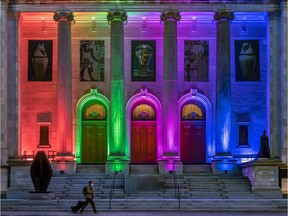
(175, 183)
(112, 188)
(179, 196)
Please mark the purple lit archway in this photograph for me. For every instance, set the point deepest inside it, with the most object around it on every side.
(142, 97)
(210, 140)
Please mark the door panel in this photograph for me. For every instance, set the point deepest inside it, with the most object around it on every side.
(143, 142)
(193, 142)
(94, 138)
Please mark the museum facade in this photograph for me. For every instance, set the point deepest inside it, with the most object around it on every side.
(144, 82)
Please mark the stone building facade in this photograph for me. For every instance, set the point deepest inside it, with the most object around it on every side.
(144, 82)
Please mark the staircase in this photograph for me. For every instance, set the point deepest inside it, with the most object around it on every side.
(197, 190)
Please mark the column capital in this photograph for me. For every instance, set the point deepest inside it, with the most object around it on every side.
(223, 15)
(172, 15)
(58, 16)
(117, 15)
(13, 15)
(274, 16)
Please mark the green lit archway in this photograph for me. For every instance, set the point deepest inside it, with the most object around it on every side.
(92, 96)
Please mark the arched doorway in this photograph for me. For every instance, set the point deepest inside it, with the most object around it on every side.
(143, 134)
(197, 127)
(92, 128)
(151, 124)
(94, 133)
(193, 133)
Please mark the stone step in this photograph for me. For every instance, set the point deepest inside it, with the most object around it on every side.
(146, 205)
(143, 169)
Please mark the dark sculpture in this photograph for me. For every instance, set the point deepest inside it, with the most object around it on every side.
(264, 151)
(41, 172)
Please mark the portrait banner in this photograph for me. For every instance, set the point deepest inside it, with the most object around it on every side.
(143, 64)
(247, 64)
(40, 60)
(196, 61)
(92, 53)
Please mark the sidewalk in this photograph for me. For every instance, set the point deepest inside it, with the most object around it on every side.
(90, 213)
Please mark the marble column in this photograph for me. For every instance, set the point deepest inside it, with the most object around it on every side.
(223, 82)
(64, 84)
(284, 45)
(12, 85)
(3, 107)
(223, 160)
(3, 84)
(117, 98)
(171, 148)
(275, 79)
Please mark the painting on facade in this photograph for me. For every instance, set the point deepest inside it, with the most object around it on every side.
(247, 64)
(40, 60)
(143, 64)
(92, 53)
(196, 61)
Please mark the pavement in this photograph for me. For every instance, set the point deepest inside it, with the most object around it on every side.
(90, 213)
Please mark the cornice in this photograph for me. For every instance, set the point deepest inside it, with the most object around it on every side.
(89, 6)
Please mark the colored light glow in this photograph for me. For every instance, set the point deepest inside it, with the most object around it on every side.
(144, 97)
(118, 167)
(210, 140)
(117, 115)
(96, 98)
(225, 134)
(171, 135)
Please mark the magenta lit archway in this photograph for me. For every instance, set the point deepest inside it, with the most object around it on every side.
(193, 95)
(142, 97)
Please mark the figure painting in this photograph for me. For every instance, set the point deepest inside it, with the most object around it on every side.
(196, 61)
(247, 64)
(92, 60)
(143, 60)
(40, 60)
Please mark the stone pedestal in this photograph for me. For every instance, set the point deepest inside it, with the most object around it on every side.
(40, 196)
(20, 179)
(263, 174)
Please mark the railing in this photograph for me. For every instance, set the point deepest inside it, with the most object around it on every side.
(179, 196)
(176, 189)
(112, 187)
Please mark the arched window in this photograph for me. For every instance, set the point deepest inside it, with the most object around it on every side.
(193, 112)
(143, 112)
(94, 112)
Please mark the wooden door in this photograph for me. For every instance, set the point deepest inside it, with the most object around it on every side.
(193, 142)
(143, 142)
(94, 146)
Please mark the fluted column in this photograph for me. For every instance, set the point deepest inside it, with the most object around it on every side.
(276, 112)
(117, 142)
(223, 82)
(284, 45)
(64, 83)
(170, 85)
(12, 85)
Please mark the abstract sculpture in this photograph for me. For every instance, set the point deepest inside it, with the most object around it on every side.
(41, 172)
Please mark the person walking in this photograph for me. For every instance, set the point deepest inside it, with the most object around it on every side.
(89, 195)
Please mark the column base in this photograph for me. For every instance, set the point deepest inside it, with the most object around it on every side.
(113, 166)
(167, 166)
(64, 166)
(224, 165)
